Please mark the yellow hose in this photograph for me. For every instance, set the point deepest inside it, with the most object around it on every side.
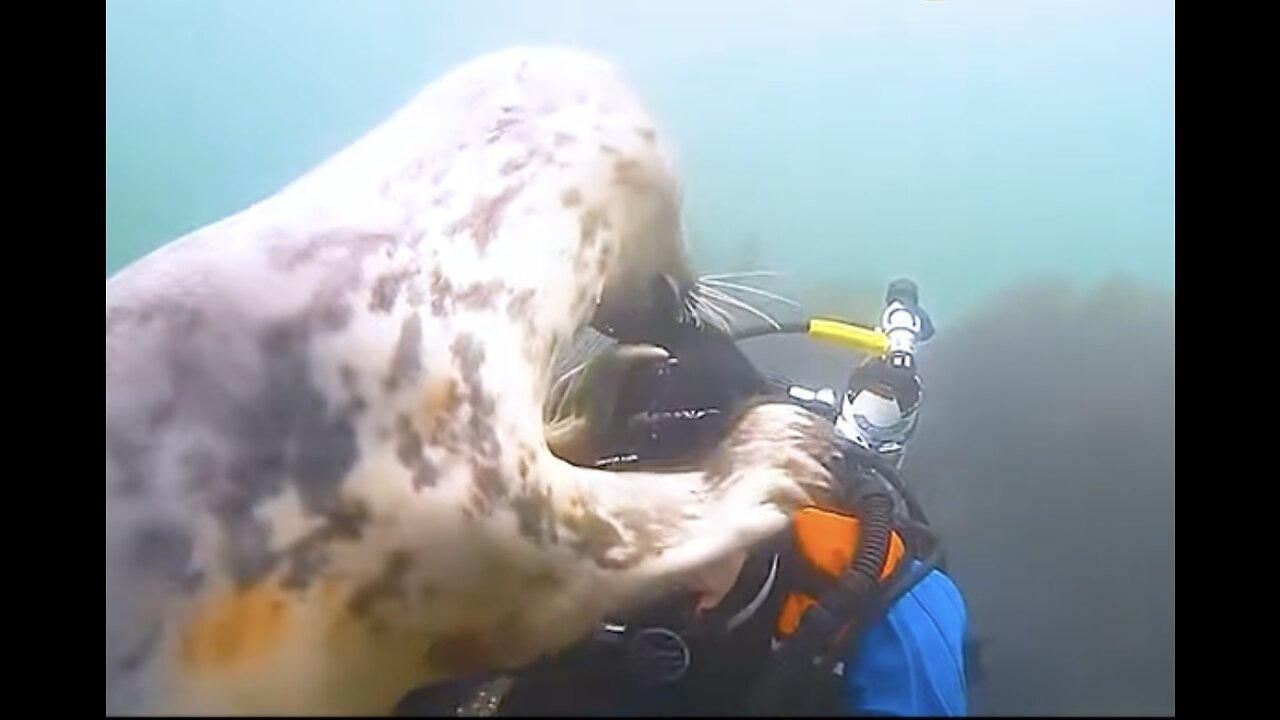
(857, 337)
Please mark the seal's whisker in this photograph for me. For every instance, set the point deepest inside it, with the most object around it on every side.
(724, 285)
(688, 313)
(716, 317)
(728, 323)
(560, 393)
(711, 312)
(693, 313)
(724, 297)
(740, 275)
(727, 309)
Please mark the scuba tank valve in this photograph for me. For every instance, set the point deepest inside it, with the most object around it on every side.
(880, 407)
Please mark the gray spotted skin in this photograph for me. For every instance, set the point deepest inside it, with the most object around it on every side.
(327, 478)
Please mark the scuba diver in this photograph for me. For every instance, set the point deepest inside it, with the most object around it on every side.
(848, 612)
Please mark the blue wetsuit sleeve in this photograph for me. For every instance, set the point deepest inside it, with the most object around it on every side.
(911, 663)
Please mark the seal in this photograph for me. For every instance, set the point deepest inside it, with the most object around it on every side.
(328, 475)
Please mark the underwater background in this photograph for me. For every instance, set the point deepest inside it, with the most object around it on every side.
(1013, 157)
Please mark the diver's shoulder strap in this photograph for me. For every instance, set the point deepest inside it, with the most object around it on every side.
(826, 542)
(843, 565)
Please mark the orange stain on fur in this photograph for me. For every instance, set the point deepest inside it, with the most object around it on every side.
(232, 632)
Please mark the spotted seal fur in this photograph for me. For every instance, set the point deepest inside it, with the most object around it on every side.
(327, 473)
